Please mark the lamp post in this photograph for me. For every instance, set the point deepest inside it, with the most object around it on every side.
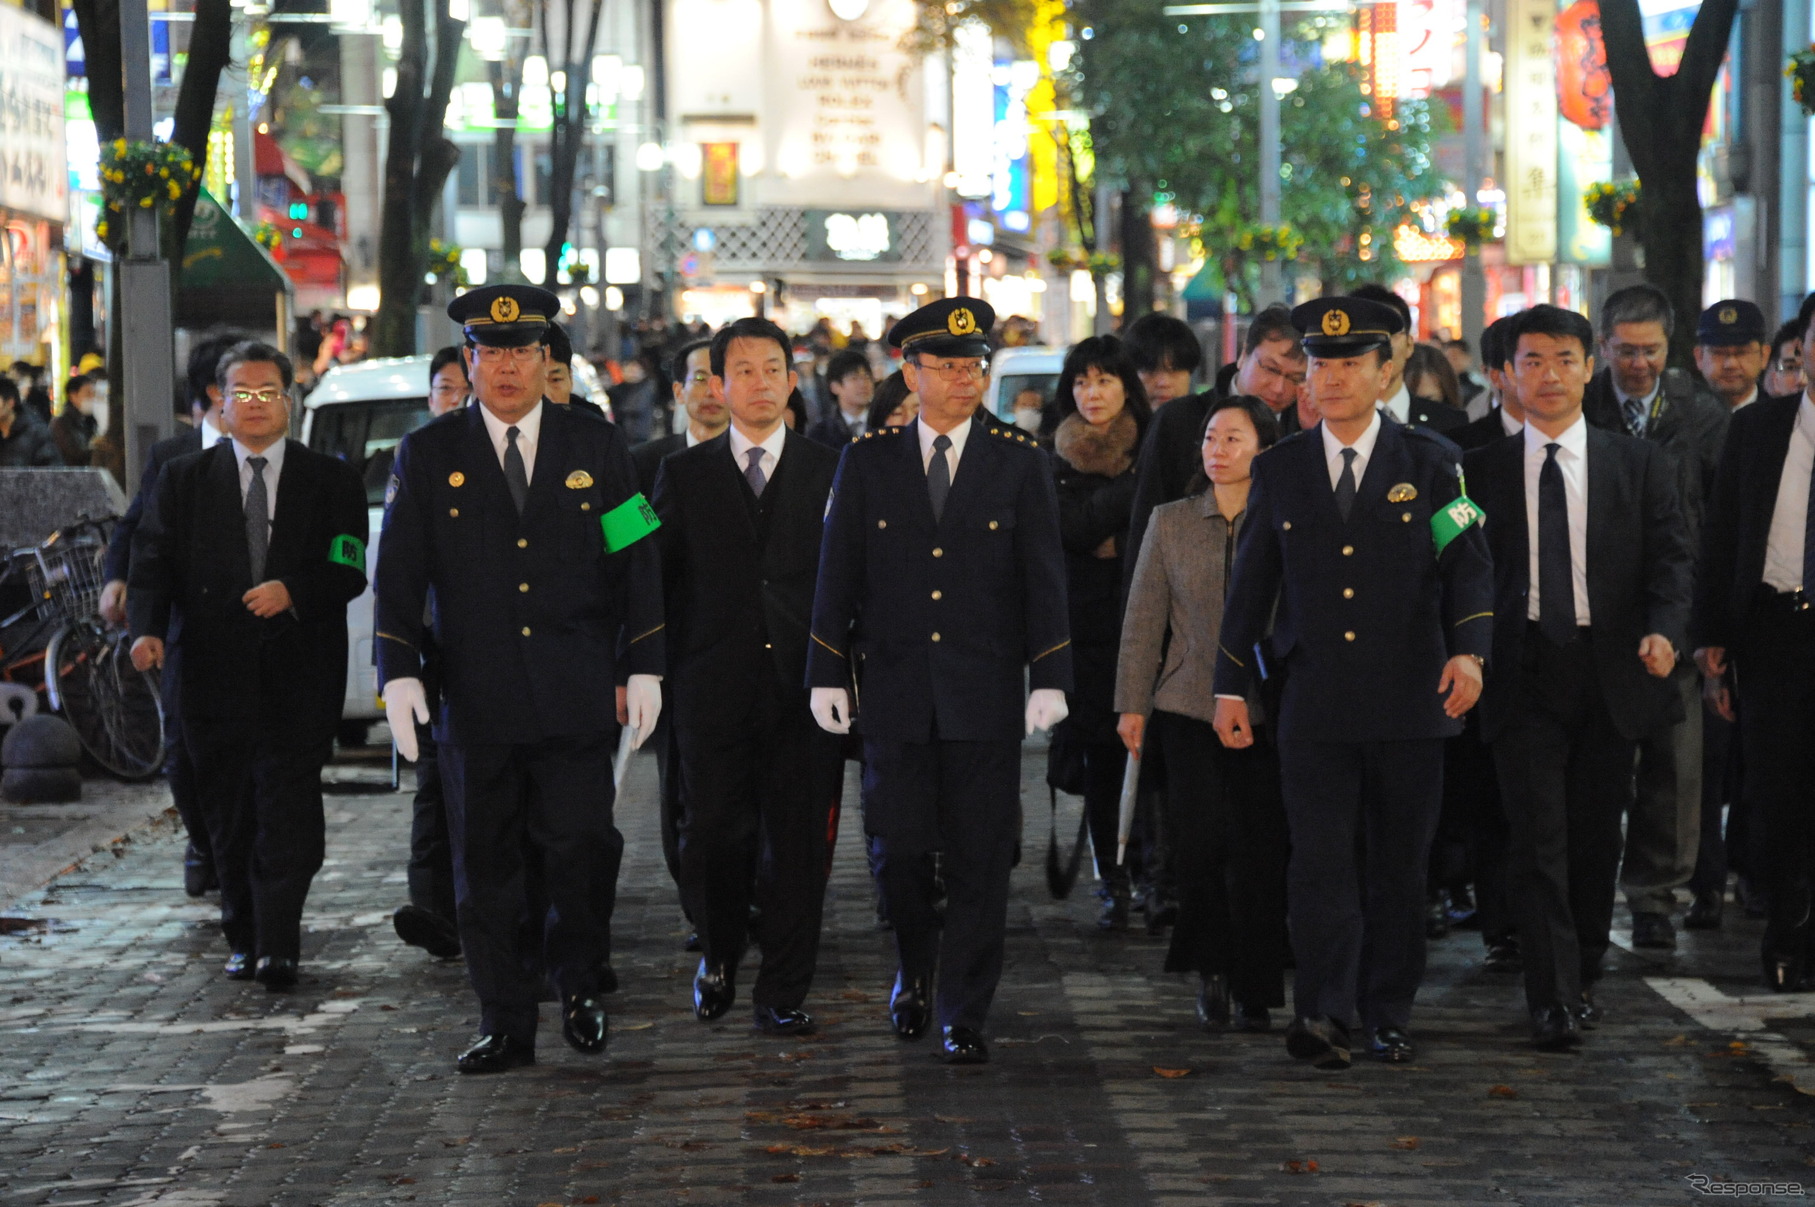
(1268, 33)
(1474, 276)
(147, 355)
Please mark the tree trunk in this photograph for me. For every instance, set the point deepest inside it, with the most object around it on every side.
(1139, 253)
(507, 193)
(569, 132)
(210, 50)
(1663, 147)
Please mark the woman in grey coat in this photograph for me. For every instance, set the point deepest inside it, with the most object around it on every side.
(1222, 806)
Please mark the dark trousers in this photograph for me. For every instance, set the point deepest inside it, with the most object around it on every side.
(1565, 777)
(260, 796)
(753, 808)
(961, 799)
(1720, 791)
(1663, 828)
(1361, 816)
(1777, 737)
(519, 814)
(1104, 763)
(431, 871)
(179, 768)
(1228, 831)
(1471, 832)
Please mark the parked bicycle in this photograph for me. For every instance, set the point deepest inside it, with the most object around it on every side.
(52, 638)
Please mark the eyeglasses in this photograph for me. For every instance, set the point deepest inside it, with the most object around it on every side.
(265, 396)
(1635, 354)
(964, 370)
(1786, 366)
(1297, 379)
(488, 354)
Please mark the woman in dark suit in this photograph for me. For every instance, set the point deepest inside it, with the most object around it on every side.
(1102, 413)
(1223, 807)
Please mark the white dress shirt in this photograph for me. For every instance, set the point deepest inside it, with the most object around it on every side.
(528, 429)
(1790, 514)
(1511, 426)
(1363, 446)
(1399, 406)
(1748, 400)
(1572, 459)
(927, 435)
(274, 468)
(742, 444)
(691, 438)
(211, 435)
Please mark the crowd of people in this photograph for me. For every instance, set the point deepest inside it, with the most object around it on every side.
(1347, 647)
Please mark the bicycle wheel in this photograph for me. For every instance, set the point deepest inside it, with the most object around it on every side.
(115, 710)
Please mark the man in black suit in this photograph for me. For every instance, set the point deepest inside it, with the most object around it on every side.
(1165, 353)
(205, 401)
(690, 377)
(1504, 415)
(943, 576)
(1590, 607)
(557, 373)
(851, 385)
(1634, 393)
(1395, 398)
(1363, 558)
(1753, 615)
(244, 565)
(742, 516)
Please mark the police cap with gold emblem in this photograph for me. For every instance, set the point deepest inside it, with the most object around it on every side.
(505, 316)
(949, 327)
(1731, 323)
(1343, 326)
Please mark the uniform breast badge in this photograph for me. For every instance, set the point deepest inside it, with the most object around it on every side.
(579, 479)
(1405, 492)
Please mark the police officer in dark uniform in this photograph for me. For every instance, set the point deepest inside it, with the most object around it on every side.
(1358, 529)
(525, 520)
(942, 552)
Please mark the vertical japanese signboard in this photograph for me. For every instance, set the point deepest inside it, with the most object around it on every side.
(34, 177)
(1531, 132)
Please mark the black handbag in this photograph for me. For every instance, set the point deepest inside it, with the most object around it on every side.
(1064, 773)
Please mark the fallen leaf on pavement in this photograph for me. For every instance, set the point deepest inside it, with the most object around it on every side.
(1502, 1091)
(1171, 1072)
(1406, 1142)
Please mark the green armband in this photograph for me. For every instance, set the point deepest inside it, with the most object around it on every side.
(628, 523)
(346, 550)
(1448, 523)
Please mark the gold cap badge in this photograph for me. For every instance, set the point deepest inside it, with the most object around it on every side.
(504, 310)
(1405, 492)
(456, 479)
(1335, 322)
(1728, 315)
(961, 321)
(579, 479)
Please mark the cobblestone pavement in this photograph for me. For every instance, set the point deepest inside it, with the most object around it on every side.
(132, 1073)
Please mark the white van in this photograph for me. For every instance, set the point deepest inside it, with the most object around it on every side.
(1013, 370)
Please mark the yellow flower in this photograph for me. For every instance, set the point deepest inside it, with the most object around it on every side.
(175, 192)
(144, 203)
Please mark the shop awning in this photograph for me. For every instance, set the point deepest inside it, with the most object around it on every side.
(227, 277)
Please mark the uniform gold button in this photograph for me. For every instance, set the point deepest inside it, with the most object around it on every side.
(522, 586)
(454, 511)
(586, 507)
(1407, 517)
(1348, 551)
(882, 523)
(526, 630)
(935, 636)
(1348, 593)
(1287, 525)
(937, 552)
(938, 594)
(522, 543)
(1349, 636)
(993, 525)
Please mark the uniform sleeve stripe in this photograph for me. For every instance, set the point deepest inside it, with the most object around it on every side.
(393, 637)
(818, 638)
(651, 633)
(1476, 616)
(1055, 649)
(1231, 657)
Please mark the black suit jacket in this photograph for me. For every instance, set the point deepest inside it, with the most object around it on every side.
(1479, 433)
(1738, 521)
(1688, 422)
(190, 568)
(1438, 418)
(832, 431)
(738, 577)
(119, 545)
(1638, 574)
(648, 456)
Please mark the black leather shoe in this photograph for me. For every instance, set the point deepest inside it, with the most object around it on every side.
(714, 989)
(1252, 1018)
(1213, 1003)
(495, 1054)
(1704, 912)
(1322, 1042)
(1784, 974)
(239, 967)
(1392, 1045)
(1503, 956)
(1586, 1012)
(198, 872)
(276, 973)
(780, 1020)
(428, 930)
(910, 1005)
(964, 1046)
(584, 1024)
(1553, 1029)
(1653, 931)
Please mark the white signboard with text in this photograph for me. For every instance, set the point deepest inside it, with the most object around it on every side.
(34, 177)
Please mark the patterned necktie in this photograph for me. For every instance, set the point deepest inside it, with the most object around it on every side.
(753, 471)
(1556, 570)
(1635, 416)
(939, 476)
(258, 519)
(515, 475)
(1345, 485)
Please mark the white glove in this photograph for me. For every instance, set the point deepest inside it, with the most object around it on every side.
(405, 704)
(643, 704)
(1045, 708)
(832, 709)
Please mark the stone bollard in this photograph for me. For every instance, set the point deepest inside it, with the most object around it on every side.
(43, 759)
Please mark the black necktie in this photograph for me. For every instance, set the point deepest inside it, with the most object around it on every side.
(1345, 485)
(939, 476)
(258, 519)
(515, 475)
(1556, 576)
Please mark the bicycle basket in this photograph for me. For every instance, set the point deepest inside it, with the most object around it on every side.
(66, 575)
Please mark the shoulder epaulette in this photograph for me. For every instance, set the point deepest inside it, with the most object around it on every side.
(885, 431)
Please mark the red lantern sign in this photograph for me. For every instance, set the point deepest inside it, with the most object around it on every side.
(1584, 85)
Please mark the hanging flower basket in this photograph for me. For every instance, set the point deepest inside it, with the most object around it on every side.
(1613, 204)
(267, 236)
(1068, 259)
(1472, 226)
(144, 176)
(1269, 242)
(1801, 73)
(444, 263)
(1102, 263)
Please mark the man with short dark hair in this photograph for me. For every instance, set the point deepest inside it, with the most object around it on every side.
(690, 380)
(244, 564)
(1165, 353)
(557, 373)
(24, 442)
(74, 427)
(849, 381)
(1635, 393)
(1590, 607)
(1461, 359)
(1504, 415)
(1730, 350)
(1395, 398)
